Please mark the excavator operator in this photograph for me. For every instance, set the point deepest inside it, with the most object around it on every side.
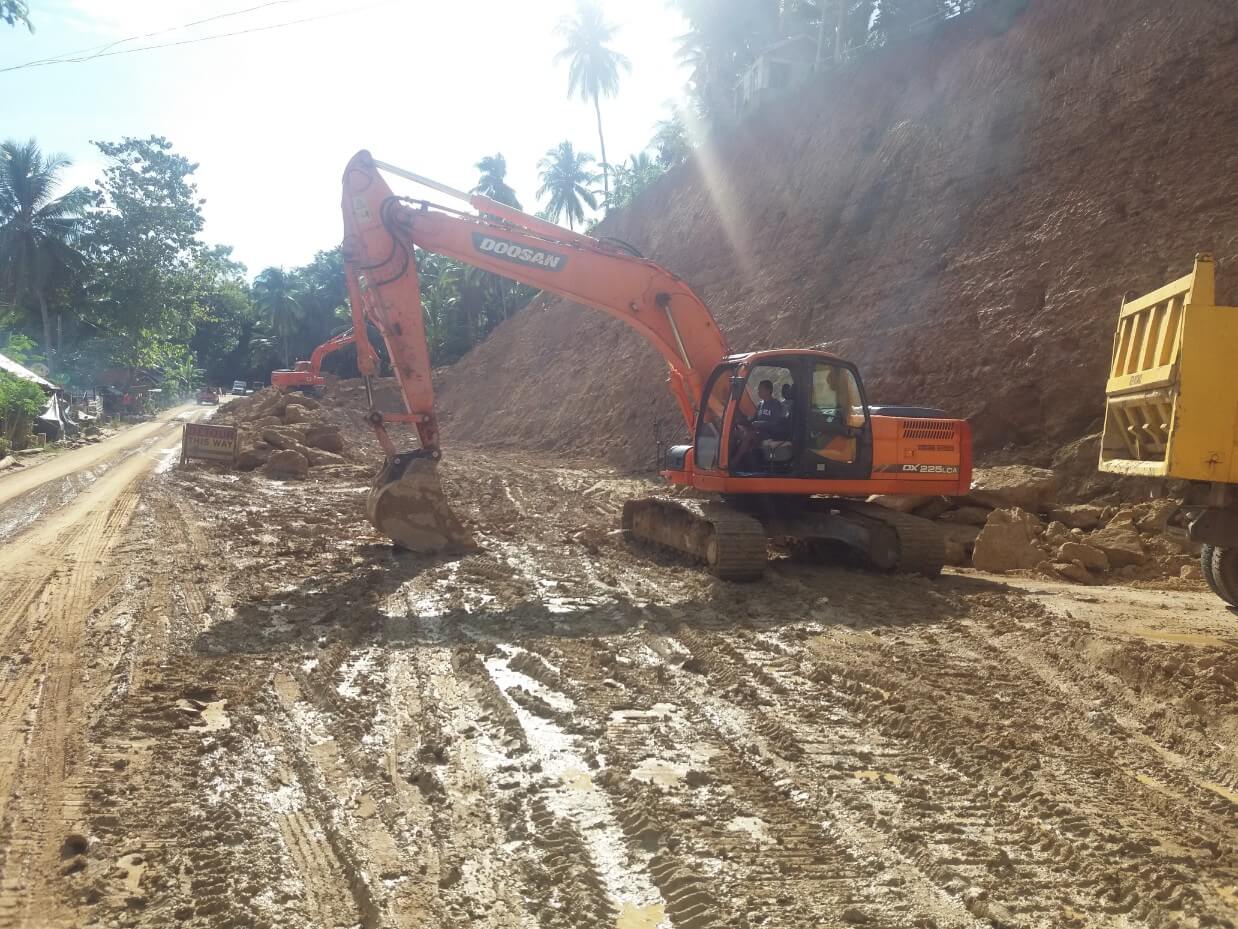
(770, 420)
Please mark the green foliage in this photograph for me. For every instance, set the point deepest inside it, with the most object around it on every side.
(178, 373)
(493, 183)
(631, 178)
(148, 268)
(565, 175)
(20, 402)
(14, 343)
(461, 304)
(671, 140)
(14, 12)
(38, 231)
(592, 66)
(278, 296)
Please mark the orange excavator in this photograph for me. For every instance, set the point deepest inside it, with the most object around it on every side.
(785, 446)
(305, 375)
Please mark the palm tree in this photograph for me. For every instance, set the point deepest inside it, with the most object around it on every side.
(632, 177)
(274, 292)
(493, 183)
(593, 68)
(564, 173)
(38, 231)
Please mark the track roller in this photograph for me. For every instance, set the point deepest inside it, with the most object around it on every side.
(919, 546)
(730, 543)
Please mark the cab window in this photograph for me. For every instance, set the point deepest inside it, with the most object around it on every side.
(836, 413)
(709, 432)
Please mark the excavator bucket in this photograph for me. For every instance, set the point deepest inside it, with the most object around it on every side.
(407, 505)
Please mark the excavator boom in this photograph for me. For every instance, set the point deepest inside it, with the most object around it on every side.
(381, 230)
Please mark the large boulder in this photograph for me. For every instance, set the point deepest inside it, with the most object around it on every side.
(1120, 542)
(253, 456)
(1008, 542)
(1056, 534)
(285, 437)
(327, 438)
(285, 462)
(1078, 515)
(301, 400)
(1019, 486)
(319, 457)
(1091, 557)
(295, 414)
(1154, 517)
(1067, 570)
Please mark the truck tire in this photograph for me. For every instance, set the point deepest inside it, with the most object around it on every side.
(1205, 565)
(1225, 574)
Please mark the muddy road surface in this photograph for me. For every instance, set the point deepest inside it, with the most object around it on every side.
(30, 493)
(229, 703)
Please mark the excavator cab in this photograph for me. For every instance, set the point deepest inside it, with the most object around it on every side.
(818, 425)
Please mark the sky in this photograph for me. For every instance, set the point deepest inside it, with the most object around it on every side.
(273, 116)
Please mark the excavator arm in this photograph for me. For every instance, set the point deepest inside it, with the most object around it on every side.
(381, 232)
(382, 229)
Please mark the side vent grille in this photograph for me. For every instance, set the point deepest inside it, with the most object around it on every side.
(928, 429)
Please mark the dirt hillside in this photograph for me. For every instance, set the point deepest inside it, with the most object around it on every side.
(960, 215)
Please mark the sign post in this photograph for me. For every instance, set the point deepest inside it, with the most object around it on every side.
(211, 443)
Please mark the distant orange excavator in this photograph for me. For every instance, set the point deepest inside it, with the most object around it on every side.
(785, 446)
(306, 375)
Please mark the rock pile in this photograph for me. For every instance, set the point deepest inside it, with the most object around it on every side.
(1016, 520)
(283, 434)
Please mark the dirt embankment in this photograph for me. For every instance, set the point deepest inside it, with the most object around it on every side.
(960, 215)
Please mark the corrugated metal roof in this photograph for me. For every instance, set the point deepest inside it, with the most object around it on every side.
(12, 367)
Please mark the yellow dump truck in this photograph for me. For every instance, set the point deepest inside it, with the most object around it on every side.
(1171, 409)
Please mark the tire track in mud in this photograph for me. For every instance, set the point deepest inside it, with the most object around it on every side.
(1058, 839)
(43, 619)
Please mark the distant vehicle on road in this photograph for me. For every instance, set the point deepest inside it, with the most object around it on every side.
(208, 395)
(238, 388)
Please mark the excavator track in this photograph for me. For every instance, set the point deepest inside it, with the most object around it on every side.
(732, 544)
(921, 545)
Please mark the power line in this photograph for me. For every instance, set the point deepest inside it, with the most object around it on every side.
(98, 49)
(208, 38)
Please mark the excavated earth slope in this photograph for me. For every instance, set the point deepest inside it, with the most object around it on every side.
(961, 215)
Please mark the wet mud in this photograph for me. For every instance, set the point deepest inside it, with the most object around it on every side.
(229, 701)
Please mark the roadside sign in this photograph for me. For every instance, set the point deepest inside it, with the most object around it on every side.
(213, 443)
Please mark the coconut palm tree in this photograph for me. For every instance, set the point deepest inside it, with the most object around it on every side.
(564, 173)
(275, 294)
(493, 180)
(593, 68)
(38, 231)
